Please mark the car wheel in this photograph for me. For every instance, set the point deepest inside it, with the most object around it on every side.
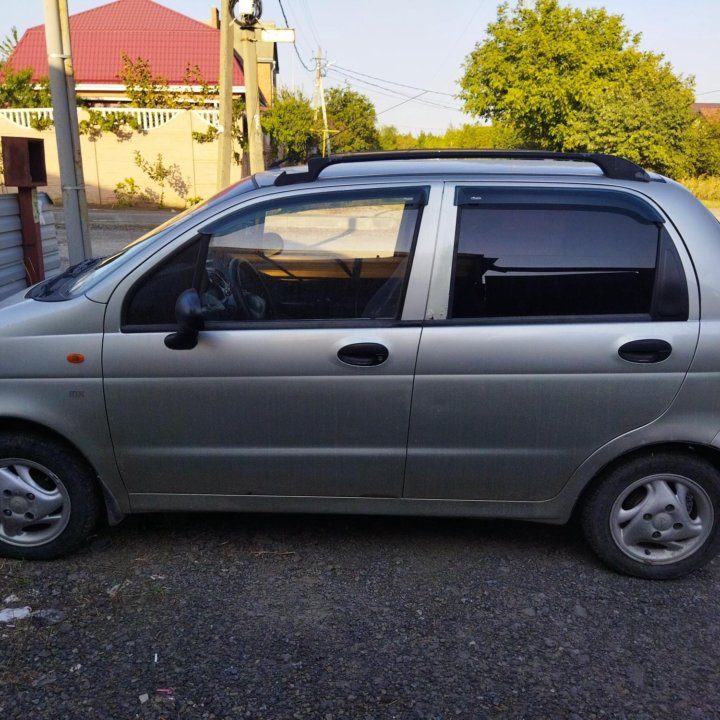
(655, 517)
(49, 500)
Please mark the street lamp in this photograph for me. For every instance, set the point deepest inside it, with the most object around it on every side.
(246, 12)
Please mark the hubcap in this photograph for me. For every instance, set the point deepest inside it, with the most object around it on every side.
(34, 504)
(661, 519)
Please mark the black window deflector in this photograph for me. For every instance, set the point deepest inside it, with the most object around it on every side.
(610, 200)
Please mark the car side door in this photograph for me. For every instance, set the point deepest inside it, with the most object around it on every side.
(300, 382)
(560, 318)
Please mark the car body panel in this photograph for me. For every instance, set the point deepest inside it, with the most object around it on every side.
(270, 410)
(469, 419)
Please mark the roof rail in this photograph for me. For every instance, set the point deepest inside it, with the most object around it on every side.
(612, 167)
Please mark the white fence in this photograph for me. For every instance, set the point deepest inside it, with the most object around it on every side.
(148, 119)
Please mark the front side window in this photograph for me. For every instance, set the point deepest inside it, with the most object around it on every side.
(338, 256)
(549, 253)
(344, 256)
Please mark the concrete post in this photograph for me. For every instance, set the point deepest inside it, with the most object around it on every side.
(62, 86)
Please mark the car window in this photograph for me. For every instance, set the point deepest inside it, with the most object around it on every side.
(548, 254)
(336, 256)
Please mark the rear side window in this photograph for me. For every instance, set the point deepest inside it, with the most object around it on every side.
(549, 253)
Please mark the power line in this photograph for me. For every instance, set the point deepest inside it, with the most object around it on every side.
(392, 82)
(396, 93)
(287, 25)
(311, 24)
(399, 104)
(709, 92)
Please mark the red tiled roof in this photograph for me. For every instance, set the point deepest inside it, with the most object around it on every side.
(144, 29)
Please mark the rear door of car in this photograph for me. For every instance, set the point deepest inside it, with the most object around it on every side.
(300, 383)
(560, 318)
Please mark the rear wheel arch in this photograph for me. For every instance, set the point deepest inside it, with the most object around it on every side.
(708, 453)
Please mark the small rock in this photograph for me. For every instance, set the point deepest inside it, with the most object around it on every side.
(10, 614)
(11, 599)
(580, 611)
(48, 679)
(529, 612)
(143, 698)
(48, 617)
(636, 675)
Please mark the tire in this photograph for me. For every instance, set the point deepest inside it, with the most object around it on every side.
(655, 517)
(49, 498)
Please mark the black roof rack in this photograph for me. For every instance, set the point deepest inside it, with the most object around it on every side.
(611, 166)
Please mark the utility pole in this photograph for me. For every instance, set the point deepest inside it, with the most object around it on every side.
(225, 144)
(319, 100)
(246, 14)
(62, 86)
(248, 50)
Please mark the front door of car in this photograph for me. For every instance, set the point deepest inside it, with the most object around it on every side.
(300, 382)
(569, 318)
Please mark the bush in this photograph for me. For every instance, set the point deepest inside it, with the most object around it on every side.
(704, 187)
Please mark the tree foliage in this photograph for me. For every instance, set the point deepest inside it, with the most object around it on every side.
(8, 44)
(557, 78)
(351, 118)
(295, 128)
(144, 89)
(19, 91)
(290, 125)
(467, 136)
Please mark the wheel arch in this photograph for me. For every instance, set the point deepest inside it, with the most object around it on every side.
(708, 453)
(113, 511)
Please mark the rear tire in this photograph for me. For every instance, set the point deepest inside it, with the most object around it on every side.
(49, 498)
(655, 517)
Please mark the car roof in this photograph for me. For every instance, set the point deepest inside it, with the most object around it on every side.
(459, 162)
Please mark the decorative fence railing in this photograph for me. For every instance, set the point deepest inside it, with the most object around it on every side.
(148, 119)
(26, 117)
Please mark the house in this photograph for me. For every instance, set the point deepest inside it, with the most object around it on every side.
(168, 40)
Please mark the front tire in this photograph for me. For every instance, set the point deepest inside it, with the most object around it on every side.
(49, 499)
(655, 517)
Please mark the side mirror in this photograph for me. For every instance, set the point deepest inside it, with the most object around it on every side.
(188, 312)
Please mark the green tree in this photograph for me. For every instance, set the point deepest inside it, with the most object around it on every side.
(467, 136)
(351, 118)
(558, 78)
(290, 125)
(144, 89)
(19, 91)
(8, 44)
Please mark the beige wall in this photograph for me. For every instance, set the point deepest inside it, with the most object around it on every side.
(109, 160)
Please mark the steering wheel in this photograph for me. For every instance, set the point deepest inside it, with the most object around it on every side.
(248, 289)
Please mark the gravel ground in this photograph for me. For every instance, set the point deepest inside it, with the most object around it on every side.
(238, 616)
(273, 616)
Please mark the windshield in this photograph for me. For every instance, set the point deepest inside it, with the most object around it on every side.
(77, 279)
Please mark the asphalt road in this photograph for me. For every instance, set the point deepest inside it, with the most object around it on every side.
(238, 616)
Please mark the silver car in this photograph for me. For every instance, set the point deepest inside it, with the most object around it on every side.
(482, 334)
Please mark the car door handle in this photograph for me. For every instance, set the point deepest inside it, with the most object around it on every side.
(645, 351)
(364, 354)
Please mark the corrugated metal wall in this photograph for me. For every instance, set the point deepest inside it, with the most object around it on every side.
(12, 270)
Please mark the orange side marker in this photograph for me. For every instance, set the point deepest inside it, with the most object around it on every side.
(76, 358)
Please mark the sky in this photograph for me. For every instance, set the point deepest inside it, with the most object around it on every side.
(392, 50)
